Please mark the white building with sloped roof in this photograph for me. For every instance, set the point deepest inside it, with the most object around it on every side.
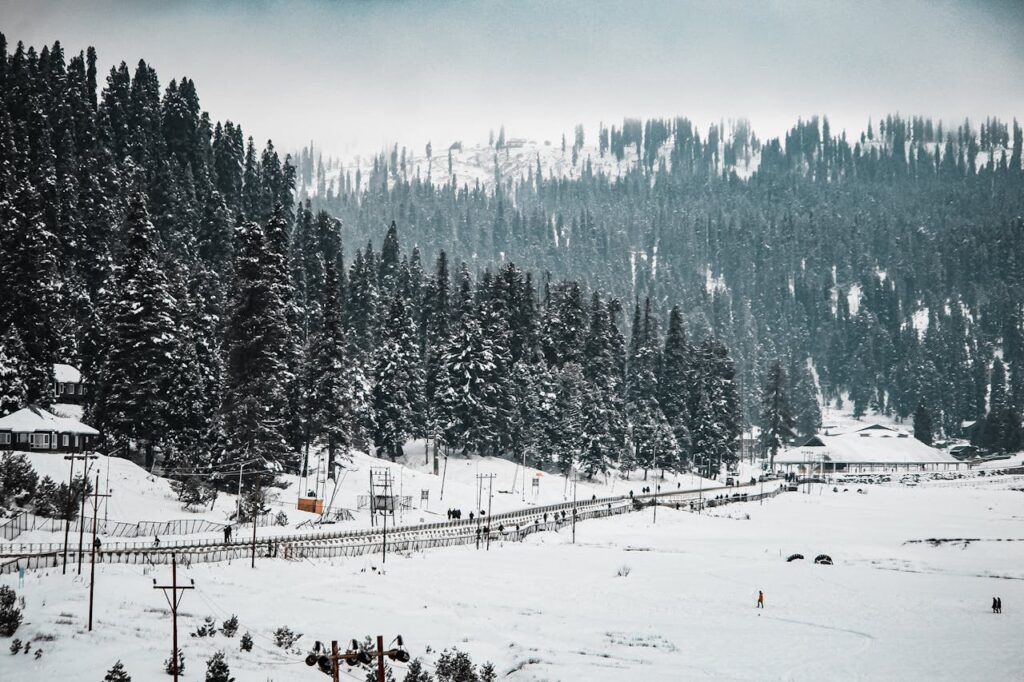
(33, 428)
(872, 449)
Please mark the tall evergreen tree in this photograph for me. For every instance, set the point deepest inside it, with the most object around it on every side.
(776, 415)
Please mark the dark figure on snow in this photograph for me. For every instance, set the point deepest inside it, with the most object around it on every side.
(96, 543)
(999, 604)
(760, 599)
(227, 533)
(156, 540)
(470, 516)
(995, 605)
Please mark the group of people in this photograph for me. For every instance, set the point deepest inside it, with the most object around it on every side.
(456, 514)
(997, 604)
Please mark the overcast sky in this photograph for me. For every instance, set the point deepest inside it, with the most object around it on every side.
(353, 76)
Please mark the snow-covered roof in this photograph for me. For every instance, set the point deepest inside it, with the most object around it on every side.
(872, 444)
(66, 374)
(35, 419)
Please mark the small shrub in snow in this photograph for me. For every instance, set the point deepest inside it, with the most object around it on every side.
(416, 673)
(371, 674)
(217, 669)
(281, 519)
(10, 615)
(39, 654)
(229, 627)
(455, 666)
(623, 571)
(284, 637)
(207, 629)
(28, 648)
(18, 479)
(194, 492)
(117, 674)
(487, 673)
(246, 643)
(16, 646)
(169, 664)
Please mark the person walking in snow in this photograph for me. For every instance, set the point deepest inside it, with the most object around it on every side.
(999, 604)
(760, 599)
(995, 605)
(227, 533)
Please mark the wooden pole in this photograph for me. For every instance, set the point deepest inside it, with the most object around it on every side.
(67, 513)
(255, 519)
(92, 568)
(172, 601)
(174, 616)
(380, 659)
(334, 661)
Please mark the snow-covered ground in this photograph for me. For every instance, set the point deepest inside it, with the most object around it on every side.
(139, 496)
(550, 610)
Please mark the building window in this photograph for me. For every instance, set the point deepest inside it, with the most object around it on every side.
(22, 438)
(64, 440)
(5, 439)
(40, 440)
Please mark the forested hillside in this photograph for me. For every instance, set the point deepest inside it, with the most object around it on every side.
(221, 319)
(894, 260)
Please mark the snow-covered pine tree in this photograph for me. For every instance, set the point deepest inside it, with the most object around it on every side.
(776, 414)
(14, 363)
(117, 674)
(133, 401)
(673, 384)
(256, 338)
(603, 411)
(804, 399)
(923, 424)
(217, 669)
(32, 288)
(397, 379)
(332, 378)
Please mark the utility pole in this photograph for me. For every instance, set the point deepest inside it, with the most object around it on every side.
(92, 569)
(657, 489)
(380, 659)
(257, 510)
(575, 480)
(238, 498)
(490, 488)
(173, 601)
(81, 516)
(358, 656)
(445, 472)
(67, 512)
(380, 479)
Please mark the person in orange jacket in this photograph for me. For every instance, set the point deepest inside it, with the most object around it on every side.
(760, 599)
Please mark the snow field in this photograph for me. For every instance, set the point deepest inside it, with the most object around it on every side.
(550, 610)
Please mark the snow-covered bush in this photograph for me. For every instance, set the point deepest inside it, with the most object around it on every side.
(194, 492)
(229, 627)
(281, 519)
(169, 664)
(217, 669)
(285, 638)
(18, 480)
(623, 571)
(207, 629)
(455, 666)
(416, 673)
(10, 615)
(117, 674)
(246, 643)
(16, 646)
(487, 673)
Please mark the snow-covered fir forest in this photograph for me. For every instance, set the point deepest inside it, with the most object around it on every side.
(629, 320)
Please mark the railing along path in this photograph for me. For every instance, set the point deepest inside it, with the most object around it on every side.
(515, 525)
